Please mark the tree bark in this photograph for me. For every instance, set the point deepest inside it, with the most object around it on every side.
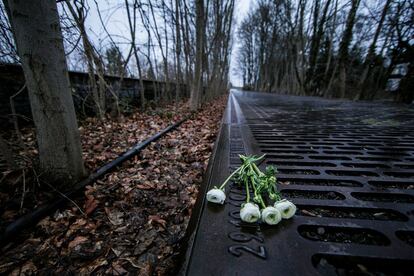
(178, 51)
(370, 55)
(40, 47)
(316, 40)
(197, 87)
(344, 45)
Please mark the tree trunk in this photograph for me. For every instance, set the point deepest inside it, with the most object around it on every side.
(40, 47)
(197, 86)
(132, 24)
(370, 55)
(344, 45)
(95, 65)
(315, 43)
(178, 51)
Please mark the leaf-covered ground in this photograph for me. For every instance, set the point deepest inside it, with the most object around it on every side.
(132, 220)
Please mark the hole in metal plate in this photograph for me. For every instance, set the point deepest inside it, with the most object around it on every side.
(363, 144)
(314, 147)
(293, 171)
(355, 148)
(343, 235)
(277, 147)
(350, 212)
(326, 195)
(333, 158)
(383, 197)
(290, 151)
(392, 184)
(400, 174)
(340, 152)
(405, 166)
(334, 264)
(301, 163)
(366, 165)
(270, 143)
(390, 153)
(327, 144)
(319, 182)
(351, 173)
(284, 156)
(371, 158)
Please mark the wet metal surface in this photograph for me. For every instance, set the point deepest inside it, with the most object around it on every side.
(349, 167)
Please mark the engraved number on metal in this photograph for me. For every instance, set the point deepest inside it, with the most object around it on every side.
(237, 197)
(237, 204)
(236, 250)
(236, 223)
(235, 214)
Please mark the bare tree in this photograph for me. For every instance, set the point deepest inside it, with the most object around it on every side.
(178, 50)
(40, 47)
(197, 87)
(96, 68)
(344, 47)
(132, 28)
(315, 42)
(370, 55)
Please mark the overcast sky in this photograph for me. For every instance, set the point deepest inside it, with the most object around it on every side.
(116, 22)
(241, 10)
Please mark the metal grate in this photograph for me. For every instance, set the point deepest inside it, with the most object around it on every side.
(349, 168)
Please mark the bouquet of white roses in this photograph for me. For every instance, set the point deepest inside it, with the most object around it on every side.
(263, 187)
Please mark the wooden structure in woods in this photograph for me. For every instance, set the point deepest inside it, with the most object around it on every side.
(128, 89)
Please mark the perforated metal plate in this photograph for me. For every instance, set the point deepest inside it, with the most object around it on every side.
(349, 167)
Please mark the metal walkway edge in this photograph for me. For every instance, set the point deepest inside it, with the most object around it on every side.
(348, 166)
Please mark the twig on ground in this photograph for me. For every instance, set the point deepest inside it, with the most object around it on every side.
(24, 190)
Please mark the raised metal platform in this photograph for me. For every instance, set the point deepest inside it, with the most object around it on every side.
(348, 166)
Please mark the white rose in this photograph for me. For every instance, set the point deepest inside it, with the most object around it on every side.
(271, 215)
(216, 196)
(286, 208)
(250, 213)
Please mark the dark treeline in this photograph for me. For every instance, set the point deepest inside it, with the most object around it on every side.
(330, 48)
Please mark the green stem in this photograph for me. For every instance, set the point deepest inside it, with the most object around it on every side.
(228, 178)
(257, 195)
(247, 191)
(262, 202)
(275, 192)
(257, 169)
(277, 195)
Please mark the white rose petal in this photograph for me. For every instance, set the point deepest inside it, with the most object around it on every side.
(271, 215)
(216, 196)
(286, 208)
(250, 213)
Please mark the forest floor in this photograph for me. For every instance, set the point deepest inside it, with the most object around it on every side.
(130, 221)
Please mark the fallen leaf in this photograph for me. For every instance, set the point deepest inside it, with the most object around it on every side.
(76, 241)
(114, 216)
(90, 204)
(157, 220)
